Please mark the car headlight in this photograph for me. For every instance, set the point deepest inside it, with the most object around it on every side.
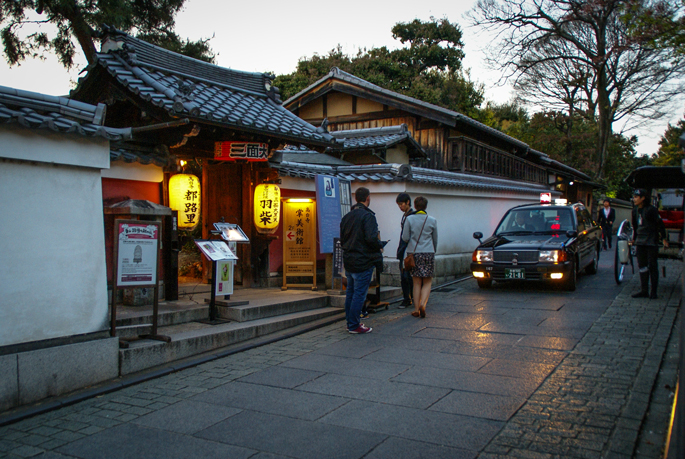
(482, 256)
(552, 256)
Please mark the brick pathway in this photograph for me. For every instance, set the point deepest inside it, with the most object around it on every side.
(591, 402)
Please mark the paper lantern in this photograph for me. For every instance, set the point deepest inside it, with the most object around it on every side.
(184, 197)
(267, 207)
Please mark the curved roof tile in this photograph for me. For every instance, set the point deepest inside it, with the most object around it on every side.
(187, 87)
(39, 111)
(404, 172)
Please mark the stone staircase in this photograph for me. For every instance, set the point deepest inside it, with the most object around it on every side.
(250, 313)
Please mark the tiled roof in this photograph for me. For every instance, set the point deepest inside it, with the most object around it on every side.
(404, 172)
(131, 153)
(302, 154)
(383, 137)
(412, 105)
(187, 87)
(59, 114)
(554, 164)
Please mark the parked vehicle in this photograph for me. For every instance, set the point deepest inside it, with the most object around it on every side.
(539, 242)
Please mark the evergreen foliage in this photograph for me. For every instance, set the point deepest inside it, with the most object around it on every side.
(62, 25)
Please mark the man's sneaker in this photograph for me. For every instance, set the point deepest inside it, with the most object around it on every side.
(364, 315)
(361, 329)
(404, 304)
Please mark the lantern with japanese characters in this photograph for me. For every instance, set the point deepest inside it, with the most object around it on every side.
(184, 197)
(267, 207)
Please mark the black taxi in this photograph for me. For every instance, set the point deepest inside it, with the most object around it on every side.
(539, 242)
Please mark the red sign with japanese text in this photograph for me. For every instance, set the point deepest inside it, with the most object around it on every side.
(236, 151)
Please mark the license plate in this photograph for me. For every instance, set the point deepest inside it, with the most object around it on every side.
(514, 273)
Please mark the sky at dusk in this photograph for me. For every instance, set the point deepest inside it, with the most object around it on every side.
(271, 36)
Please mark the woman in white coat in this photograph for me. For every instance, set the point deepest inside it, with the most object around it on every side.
(421, 232)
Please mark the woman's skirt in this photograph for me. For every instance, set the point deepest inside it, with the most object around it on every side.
(425, 265)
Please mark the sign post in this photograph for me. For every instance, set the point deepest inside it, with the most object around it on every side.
(220, 255)
(136, 254)
(299, 241)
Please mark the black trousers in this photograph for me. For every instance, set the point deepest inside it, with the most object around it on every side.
(407, 283)
(647, 262)
(606, 232)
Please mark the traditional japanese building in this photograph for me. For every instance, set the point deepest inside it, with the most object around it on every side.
(191, 116)
(451, 141)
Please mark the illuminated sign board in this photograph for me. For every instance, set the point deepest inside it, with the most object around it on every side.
(241, 151)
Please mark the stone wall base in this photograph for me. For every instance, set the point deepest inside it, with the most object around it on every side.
(447, 268)
(35, 375)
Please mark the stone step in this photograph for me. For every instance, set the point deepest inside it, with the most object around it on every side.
(388, 293)
(133, 331)
(255, 310)
(178, 312)
(196, 338)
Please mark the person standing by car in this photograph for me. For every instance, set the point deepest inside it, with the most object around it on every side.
(649, 229)
(421, 232)
(361, 253)
(404, 203)
(606, 219)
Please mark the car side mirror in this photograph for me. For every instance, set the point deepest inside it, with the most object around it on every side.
(571, 234)
(478, 235)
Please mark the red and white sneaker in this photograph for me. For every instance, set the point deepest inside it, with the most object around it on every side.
(361, 329)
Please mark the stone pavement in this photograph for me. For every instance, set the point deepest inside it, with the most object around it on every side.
(515, 371)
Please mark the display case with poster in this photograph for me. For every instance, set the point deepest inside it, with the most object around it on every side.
(215, 250)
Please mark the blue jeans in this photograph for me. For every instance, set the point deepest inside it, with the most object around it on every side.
(357, 288)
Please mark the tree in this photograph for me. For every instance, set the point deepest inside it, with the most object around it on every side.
(578, 54)
(670, 153)
(79, 20)
(569, 141)
(428, 68)
(661, 26)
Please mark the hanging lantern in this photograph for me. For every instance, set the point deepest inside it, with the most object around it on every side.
(267, 206)
(184, 197)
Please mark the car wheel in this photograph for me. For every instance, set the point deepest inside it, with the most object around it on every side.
(572, 278)
(592, 267)
(484, 283)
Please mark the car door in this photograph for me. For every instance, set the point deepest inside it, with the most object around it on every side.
(594, 232)
(584, 238)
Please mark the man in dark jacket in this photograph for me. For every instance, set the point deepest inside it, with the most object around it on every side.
(649, 230)
(361, 253)
(605, 219)
(404, 203)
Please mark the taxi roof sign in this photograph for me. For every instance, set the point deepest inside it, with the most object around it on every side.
(545, 198)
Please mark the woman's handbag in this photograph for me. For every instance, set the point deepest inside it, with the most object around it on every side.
(409, 261)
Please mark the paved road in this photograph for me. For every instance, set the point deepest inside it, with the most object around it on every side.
(515, 371)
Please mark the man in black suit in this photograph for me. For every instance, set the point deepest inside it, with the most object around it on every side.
(404, 203)
(605, 219)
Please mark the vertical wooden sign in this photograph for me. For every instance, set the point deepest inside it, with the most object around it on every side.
(299, 243)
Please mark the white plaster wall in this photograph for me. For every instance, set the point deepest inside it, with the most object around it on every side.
(397, 154)
(459, 212)
(134, 171)
(52, 147)
(53, 272)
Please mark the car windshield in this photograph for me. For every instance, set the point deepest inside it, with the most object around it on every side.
(540, 220)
